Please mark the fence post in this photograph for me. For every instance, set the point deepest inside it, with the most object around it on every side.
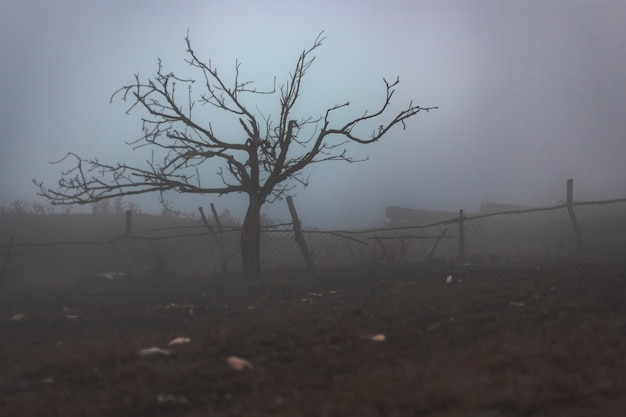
(432, 250)
(298, 232)
(216, 238)
(461, 236)
(128, 243)
(572, 213)
(5, 262)
(220, 240)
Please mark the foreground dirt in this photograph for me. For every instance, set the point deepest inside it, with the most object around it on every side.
(506, 340)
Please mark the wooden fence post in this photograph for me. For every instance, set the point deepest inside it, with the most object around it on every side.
(206, 223)
(572, 213)
(220, 240)
(128, 243)
(5, 262)
(461, 236)
(298, 234)
(432, 250)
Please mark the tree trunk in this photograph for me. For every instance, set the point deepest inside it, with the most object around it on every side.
(251, 240)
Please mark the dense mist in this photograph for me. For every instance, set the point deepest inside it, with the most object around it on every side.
(529, 94)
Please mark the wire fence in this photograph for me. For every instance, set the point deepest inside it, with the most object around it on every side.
(191, 248)
(548, 232)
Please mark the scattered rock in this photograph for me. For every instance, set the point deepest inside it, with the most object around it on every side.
(18, 317)
(238, 364)
(179, 341)
(154, 351)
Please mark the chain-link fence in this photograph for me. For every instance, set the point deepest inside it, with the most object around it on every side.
(190, 248)
(516, 235)
(603, 228)
(519, 234)
(550, 232)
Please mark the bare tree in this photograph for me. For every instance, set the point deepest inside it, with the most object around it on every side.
(264, 162)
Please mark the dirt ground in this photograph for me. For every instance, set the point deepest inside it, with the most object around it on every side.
(533, 339)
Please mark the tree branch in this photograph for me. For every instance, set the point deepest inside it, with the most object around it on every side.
(265, 161)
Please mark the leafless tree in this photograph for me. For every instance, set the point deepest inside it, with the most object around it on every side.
(265, 161)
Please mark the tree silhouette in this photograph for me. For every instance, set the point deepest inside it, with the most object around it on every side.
(265, 161)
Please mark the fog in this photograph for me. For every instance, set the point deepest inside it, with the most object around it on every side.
(529, 93)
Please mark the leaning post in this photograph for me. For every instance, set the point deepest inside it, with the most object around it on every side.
(128, 243)
(461, 236)
(216, 238)
(434, 248)
(298, 234)
(220, 240)
(572, 213)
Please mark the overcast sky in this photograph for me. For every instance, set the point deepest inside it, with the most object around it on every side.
(530, 93)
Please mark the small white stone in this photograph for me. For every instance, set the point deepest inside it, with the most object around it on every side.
(238, 364)
(179, 341)
(378, 338)
(154, 351)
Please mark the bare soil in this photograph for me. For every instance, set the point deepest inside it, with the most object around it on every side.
(498, 340)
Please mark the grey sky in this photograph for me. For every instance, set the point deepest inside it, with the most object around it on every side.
(530, 92)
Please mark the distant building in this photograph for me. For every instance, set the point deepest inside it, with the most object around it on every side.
(401, 216)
